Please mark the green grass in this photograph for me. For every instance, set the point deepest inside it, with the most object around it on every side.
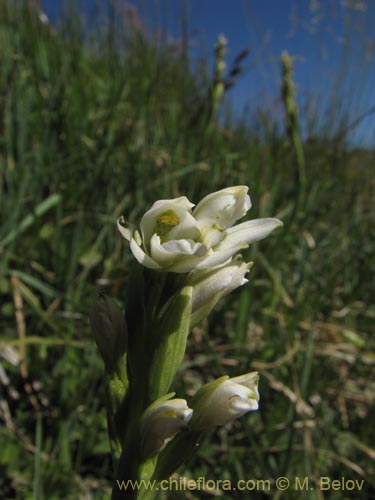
(94, 127)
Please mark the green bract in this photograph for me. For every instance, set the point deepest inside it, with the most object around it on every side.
(177, 238)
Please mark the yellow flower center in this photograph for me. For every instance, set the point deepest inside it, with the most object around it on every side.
(166, 222)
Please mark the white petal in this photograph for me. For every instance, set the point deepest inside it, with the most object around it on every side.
(229, 389)
(170, 252)
(124, 228)
(181, 202)
(241, 406)
(217, 282)
(171, 409)
(142, 257)
(248, 232)
(149, 220)
(232, 400)
(222, 400)
(253, 402)
(180, 409)
(211, 232)
(224, 207)
(250, 380)
(185, 247)
(185, 265)
(159, 254)
(161, 423)
(215, 258)
(187, 228)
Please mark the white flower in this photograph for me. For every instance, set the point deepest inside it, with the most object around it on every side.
(174, 237)
(161, 422)
(209, 286)
(223, 400)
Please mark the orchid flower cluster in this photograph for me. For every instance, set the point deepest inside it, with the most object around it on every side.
(187, 260)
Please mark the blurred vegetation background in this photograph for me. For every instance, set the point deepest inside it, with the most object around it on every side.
(95, 124)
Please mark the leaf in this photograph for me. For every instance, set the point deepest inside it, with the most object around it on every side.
(34, 303)
(36, 283)
(40, 209)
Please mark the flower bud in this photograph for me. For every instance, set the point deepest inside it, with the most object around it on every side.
(110, 330)
(161, 422)
(223, 400)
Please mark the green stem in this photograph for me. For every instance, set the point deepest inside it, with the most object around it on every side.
(133, 477)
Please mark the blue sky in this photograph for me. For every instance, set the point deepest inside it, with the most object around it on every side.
(332, 40)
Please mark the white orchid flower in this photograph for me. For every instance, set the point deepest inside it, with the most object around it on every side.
(209, 286)
(161, 422)
(223, 400)
(175, 238)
